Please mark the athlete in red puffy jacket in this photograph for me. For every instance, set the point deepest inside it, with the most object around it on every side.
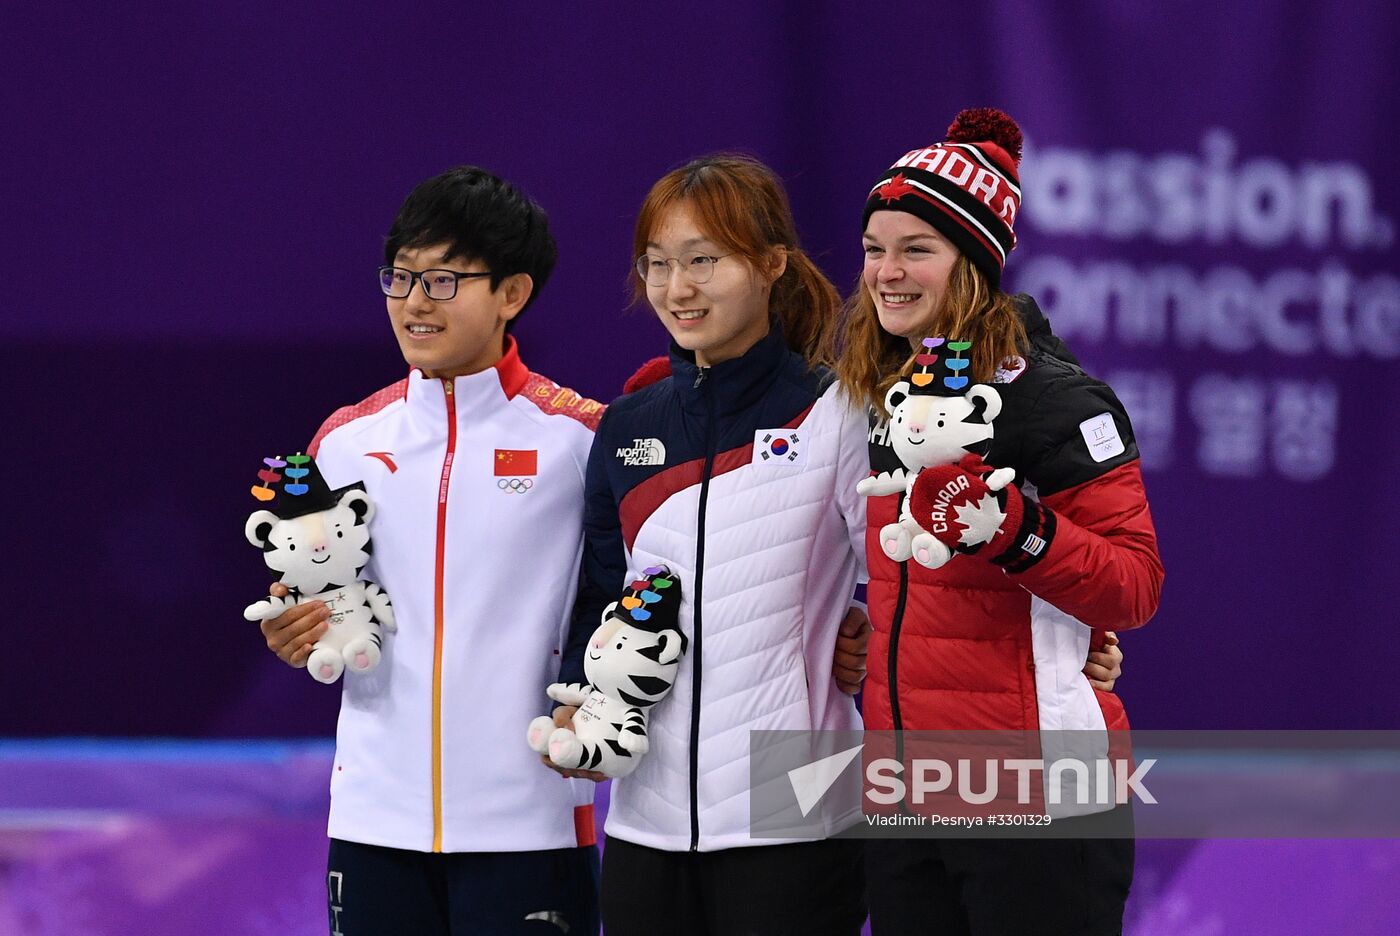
(1075, 556)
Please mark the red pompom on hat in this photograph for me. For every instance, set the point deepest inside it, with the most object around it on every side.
(967, 187)
(987, 124)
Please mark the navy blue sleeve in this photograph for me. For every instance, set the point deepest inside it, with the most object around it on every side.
(604, 570)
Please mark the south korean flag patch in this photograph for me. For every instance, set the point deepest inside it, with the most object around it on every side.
(778, 447)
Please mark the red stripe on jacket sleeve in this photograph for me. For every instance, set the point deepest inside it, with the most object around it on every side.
(1102, 566)
(642, 501)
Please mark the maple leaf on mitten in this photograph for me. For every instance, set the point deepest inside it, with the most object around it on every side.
(974, 509)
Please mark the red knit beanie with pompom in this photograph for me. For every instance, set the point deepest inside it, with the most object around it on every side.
(966, 187)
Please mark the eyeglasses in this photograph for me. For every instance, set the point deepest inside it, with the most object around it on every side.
(438, 285)
(698, 267)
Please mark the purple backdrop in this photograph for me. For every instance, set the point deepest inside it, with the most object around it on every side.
(196, 199)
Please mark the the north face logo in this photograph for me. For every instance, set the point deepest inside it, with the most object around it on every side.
(643, 452)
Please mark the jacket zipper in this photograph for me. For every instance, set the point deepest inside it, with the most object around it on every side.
(896, 624)
(438, 615)
(695, 658)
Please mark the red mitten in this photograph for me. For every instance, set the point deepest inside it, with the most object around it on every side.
(956, 505)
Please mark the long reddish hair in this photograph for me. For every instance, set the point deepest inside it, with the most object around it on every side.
(740, 204)
(872, 360)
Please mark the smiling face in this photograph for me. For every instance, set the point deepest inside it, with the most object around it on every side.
(907, 263)
(719, 319)
(461, 335)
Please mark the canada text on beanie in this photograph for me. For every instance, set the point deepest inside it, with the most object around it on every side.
(966, 187)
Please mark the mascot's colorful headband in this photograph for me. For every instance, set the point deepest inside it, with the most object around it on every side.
(648, 605)
(940, 372)
(303, 491)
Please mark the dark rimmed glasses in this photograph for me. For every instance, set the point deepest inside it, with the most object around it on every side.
(438, 285)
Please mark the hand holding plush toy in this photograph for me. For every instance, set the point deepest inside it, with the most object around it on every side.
(317, 541)
(963, 508)
(933, 423)
(969, 508)
(631, 664)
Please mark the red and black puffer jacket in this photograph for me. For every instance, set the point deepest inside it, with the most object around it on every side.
(974, 645)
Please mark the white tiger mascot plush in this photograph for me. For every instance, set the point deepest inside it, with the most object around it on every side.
(318, 541)
(931, 423)
(631, 664)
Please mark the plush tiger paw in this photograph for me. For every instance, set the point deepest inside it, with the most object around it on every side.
(565, 749)
(267, 609)
(325, 665)
(567, 693)
(928, 552)
(386, 619)
(537, 736)
(633, 743)
(361, 655)
(894, 540)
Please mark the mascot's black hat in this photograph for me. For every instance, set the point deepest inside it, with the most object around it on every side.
(652, 603)
(940, 368)
(298, 487)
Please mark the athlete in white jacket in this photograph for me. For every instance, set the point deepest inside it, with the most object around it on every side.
(442, 821)
(738, 472)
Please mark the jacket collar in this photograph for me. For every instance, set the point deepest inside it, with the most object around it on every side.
(491, 387)
(1037, 325)
(1038, 331)
(733, 384)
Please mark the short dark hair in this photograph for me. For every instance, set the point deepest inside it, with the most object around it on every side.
(479, 216)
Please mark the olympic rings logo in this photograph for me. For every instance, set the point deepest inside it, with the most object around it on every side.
(515, 485)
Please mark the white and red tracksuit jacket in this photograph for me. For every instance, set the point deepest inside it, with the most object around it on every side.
(975, 645)
(478, 484)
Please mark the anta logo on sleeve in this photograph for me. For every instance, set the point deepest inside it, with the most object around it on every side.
(643, 452)
(386, 457)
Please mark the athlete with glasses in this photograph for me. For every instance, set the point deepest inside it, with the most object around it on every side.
(438, 285)
(754, 505)
(441, 820)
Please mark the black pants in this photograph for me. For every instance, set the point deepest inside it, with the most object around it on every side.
(807, 888)
(376, 891)
(991, 887)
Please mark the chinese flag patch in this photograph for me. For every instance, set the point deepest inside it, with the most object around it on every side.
(515, 463)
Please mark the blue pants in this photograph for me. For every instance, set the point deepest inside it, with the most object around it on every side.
(377, 891)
